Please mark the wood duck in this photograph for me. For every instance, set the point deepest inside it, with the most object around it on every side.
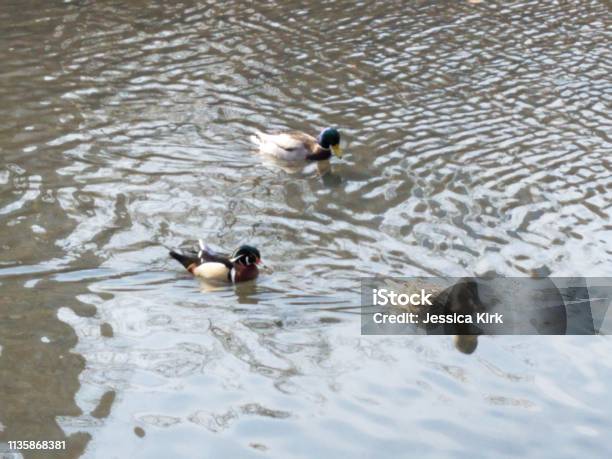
(298, 146)
(240, 266)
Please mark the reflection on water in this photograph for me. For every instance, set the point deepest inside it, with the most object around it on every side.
(476, 140)
(39, 376)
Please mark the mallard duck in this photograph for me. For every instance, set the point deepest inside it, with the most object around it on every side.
(461, 298)
(297, 146)
(240, 266)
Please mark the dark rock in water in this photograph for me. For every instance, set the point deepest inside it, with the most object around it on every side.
(106, 330)
(104, 407)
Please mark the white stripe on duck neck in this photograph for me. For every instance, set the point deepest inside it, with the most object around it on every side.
(242, 259)
(202, 249)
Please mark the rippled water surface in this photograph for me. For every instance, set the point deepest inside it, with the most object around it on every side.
(477, 138)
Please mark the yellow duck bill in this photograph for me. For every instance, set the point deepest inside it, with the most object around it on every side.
(336, 150)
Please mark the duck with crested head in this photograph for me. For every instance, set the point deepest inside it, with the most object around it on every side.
(298, 146)
(240, 266)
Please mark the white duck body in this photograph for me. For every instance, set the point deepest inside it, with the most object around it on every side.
(211, 271)
(287, 146)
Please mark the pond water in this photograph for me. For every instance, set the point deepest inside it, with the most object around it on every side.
(477, 138)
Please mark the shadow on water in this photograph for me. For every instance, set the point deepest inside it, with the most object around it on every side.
(39, 372)
(39, 369)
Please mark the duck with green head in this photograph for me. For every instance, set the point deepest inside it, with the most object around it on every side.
(298, 146)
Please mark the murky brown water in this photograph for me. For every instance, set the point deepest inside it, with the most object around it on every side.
(477, 135)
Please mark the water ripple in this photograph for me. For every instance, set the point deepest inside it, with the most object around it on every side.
(477, 137)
